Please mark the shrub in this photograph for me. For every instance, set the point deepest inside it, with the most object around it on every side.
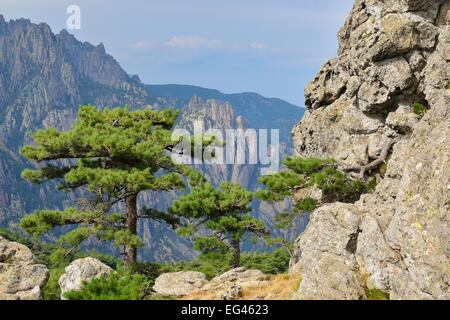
(274, 262)
(419, 109)
(210, 264)
(9, 235)
(55, 258)
(51, 290)
(122, 285)
(151, 270)
(376, 294)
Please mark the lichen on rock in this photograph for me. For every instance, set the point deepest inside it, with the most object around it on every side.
(178, 284)
(392, 55)
(21, 277)
(80, 272)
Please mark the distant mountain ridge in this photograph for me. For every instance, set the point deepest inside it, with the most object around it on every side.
(259, 111)
(44, 77)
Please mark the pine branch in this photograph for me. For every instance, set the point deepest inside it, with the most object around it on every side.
(372, 165)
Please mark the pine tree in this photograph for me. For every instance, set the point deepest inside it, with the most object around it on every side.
(224, 212)
(332, 179)
(113, 155)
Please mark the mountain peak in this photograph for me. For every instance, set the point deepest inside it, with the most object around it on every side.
(101, 48)
(136, 78)
(65, 33)
(73, 65)
(21, 22)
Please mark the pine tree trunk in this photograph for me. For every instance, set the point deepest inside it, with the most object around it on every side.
(131, 223)
(236, 262)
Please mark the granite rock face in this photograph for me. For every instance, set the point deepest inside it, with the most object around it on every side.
(21, 278)
(178, 284)
(81, 271)
(392, 55)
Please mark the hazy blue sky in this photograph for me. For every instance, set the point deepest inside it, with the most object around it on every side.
(272, 47)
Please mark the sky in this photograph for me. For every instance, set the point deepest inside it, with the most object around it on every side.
(272, 47)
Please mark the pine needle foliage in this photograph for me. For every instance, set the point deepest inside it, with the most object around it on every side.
(113, 155)
(303, 174)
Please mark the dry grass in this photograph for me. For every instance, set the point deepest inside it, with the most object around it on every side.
(278, 287)
(200, 295)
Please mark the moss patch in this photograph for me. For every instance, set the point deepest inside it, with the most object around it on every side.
(372, 294)
(376, 294)
(419, 109)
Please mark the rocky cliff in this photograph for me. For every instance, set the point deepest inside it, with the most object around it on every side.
(389, 84)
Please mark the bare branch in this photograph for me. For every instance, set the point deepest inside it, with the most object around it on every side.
(372, 165)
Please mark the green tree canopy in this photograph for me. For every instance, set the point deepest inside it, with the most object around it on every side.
(311, 173)
(224, 212)
(114, 154)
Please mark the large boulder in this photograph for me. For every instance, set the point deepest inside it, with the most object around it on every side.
(194, 285)
(81, 271)
(230, 285)
(240, 276)
(21, 278)
(178, 284)
(323, 254)
(392, 55)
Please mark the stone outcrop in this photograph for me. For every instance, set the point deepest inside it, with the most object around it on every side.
(392, 55)
(81, 271)
(228, 286)
(21, 278)
(178, 284)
